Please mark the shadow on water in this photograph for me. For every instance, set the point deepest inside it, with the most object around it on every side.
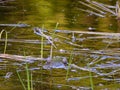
(84, 43)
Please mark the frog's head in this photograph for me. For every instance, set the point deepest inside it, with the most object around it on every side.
(60, 59)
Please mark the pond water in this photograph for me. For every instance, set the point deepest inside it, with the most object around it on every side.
(86, 53)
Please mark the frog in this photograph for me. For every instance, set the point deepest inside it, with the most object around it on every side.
(56, 62)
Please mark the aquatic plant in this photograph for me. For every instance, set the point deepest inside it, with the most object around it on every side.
(53, 35)
(50, 38)
(69, 64)
(42, 44)
(29, 79)
(6, 37)
(28, 76)
(91, 79)
(21, 80)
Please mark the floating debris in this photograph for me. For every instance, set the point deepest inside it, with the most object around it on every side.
(91, 28)
(100, 9)
(8, 75)
(21, 25)
(39, 32)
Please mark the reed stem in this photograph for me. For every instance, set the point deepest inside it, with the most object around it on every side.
(6, 37)
(42, 43)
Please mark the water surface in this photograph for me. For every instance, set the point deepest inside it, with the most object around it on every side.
(88, 53)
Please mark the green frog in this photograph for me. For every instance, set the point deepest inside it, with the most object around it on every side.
(56, 62)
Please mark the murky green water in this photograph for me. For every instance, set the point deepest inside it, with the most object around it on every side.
(101, 52)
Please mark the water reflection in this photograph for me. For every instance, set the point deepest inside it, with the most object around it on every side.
(67, 13)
